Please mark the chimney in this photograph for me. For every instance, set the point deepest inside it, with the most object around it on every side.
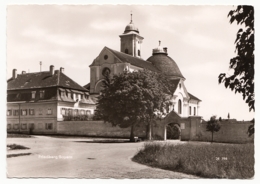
(165, 50)
(52, 70)
(61, 70)
(14, 73)
(23, 72)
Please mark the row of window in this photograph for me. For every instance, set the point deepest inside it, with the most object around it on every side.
(190, 108)
(74, 112)
(74, 96)
(48, 126)
(25, 112)
(41, 94)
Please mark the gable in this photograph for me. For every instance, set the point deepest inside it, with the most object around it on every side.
(181, 90)
(105, 57)
(119, 57)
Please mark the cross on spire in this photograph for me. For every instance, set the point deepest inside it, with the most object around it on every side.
(131, 17)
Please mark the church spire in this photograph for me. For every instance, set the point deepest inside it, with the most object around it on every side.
(131, 18)
(131, 40)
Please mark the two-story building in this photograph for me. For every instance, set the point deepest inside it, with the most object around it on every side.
(36, 101)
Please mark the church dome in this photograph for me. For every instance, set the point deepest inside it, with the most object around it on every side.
(164, 63)
(131, 27)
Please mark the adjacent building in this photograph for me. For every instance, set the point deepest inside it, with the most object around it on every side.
(36, 101)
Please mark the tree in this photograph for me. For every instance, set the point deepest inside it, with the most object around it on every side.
(132, 98)
(220, 119)
(228, 116)
(212, 126)
(242, 79)
(251, 128)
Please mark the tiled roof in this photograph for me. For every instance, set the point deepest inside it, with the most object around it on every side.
(126, 58)
(165, 64)
(193, 97)
(42, 80)
(87, 86)
(175, 83)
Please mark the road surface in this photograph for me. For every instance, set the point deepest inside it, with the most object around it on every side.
(68, 157)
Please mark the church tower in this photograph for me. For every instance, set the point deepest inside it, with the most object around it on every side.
(131, 41)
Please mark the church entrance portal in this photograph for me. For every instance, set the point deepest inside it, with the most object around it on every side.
(173, 131)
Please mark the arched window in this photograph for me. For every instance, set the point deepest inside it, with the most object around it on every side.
(190, 110)
(139, 53)
(179, 107)
(126, 51)
(194, 111)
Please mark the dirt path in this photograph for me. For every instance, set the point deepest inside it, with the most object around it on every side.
(80, 158)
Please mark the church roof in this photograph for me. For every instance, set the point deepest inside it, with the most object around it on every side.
(165, 64)
(175, 83)
(126, 58)
(193, 97)
(42, 80)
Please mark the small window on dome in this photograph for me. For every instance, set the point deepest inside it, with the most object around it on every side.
(126, 51)
(105, 57)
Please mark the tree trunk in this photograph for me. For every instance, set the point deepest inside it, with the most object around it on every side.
(132, 136)
(211, 137)
(149, 131)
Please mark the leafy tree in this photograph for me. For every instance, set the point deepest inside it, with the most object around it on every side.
(242, 79)
(132, 98)
(213, 126)
(228, 116)
(251, 128)
(220, 119)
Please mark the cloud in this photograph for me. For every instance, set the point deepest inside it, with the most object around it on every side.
(107, 25)
(64, 40)
(203, 41)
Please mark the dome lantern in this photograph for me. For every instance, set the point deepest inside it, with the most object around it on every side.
(160, 49)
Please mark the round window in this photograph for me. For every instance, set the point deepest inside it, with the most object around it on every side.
(105, 57)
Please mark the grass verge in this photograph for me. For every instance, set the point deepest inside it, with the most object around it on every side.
(17, 155)
(18, 136)
(16, 147)
(234, 161)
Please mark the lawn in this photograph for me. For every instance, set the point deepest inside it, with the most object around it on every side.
(18, 136)
(204, 160)
(16, 147)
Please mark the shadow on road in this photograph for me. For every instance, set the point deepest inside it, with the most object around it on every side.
(105, 141)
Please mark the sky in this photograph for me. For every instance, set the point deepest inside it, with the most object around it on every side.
(199, 39)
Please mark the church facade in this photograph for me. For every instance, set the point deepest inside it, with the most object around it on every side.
(129, 58)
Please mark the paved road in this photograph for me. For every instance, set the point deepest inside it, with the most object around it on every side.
(54, 157)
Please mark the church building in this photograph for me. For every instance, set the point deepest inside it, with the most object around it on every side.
(129, 58)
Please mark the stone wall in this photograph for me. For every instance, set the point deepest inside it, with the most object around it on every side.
(228, 133)
(96, 129)
(39, 125)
